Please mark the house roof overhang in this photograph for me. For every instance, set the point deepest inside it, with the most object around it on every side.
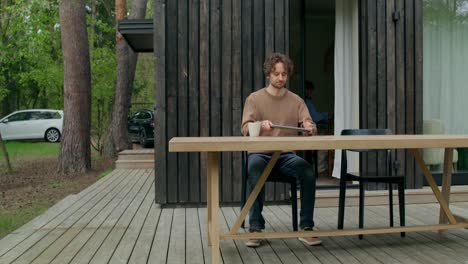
(138, 33)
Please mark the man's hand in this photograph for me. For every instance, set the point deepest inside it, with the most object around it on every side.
(266, 125)
(311, 126)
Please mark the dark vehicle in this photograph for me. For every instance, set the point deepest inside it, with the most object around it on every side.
(141, 127)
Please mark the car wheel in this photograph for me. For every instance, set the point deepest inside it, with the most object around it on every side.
(52, 135)
(143, 139)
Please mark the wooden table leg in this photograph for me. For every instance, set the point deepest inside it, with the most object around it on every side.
(213, 205)
(446, 182)
(208, 202)
(258, 187)
(430, 179)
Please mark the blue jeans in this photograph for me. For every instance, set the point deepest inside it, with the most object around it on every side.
(288, 164)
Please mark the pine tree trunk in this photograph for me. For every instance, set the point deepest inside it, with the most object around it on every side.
(118, 138)
(138, 12)
(75, 148)
(118, 135)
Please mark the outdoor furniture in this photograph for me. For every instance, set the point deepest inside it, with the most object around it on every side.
(214, 145)
(275, 176)
(390, 177)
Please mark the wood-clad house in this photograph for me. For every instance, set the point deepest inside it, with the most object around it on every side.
(209, 55)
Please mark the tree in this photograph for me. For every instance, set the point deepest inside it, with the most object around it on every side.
(75, 149)
(103, 64)
(118, 139)
(138, 12)
(5, 152)
(30, 55)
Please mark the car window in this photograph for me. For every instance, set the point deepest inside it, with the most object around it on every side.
(136, 115)
(50, 115)
(18, 117)
(35, 116)
(55, 115)
(145, 115)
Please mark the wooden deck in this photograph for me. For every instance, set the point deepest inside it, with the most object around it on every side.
(116, 221)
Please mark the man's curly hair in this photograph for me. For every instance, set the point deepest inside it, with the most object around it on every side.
(273, 59)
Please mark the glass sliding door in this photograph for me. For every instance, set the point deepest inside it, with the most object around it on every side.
(445, 74)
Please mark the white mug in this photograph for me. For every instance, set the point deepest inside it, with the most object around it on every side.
(254, 128)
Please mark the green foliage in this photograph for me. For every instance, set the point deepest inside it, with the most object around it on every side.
(144, 82)
(104, 174)
(55, 184)
(441, 12)
(30, 58)
(103, 65)
(31, 63)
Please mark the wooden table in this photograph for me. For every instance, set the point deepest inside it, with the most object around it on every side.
(214, 145)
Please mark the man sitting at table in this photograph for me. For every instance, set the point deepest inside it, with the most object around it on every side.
(277, 105)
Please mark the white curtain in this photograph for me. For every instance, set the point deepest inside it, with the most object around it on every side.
(445, 63)
(346, 76)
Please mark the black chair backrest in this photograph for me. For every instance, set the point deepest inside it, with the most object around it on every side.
(365, 132)
(392, 166)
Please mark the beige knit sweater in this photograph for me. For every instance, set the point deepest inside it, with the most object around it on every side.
(288, 110)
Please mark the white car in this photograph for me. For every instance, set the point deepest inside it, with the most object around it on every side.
(32, 124)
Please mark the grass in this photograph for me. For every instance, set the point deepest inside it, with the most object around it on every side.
(12, 220)
(104, 174)
(24, 204)
(29, 150)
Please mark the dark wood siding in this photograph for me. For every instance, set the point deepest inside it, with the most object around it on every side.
(391, 75)
(209, 57)
(160, 154)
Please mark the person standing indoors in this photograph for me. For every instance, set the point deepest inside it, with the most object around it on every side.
(318, 117)
(275, 104)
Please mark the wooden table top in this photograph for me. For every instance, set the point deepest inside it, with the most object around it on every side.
(216, 144)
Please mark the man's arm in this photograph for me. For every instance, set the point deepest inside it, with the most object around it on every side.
(306, 120)
(248, 115)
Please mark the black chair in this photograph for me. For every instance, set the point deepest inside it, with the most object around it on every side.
(390, 178)
(275, 176)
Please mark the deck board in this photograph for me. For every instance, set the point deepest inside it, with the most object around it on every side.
(73, 247)
(332, 253)
(117, 237)
(127, 243)
(301, 251)
(144, 242)
(116, 221)
(229, 251)
(158, 253)
(176, 252)
(415, 243)
(368, 252)
(194, 249)
(248, 255)
(53, 225)
(19, 235)
(202, 216)
(67, 232)
(93, 244)
(265, 252)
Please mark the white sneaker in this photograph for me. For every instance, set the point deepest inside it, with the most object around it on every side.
(311, 241)
(253, 243)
